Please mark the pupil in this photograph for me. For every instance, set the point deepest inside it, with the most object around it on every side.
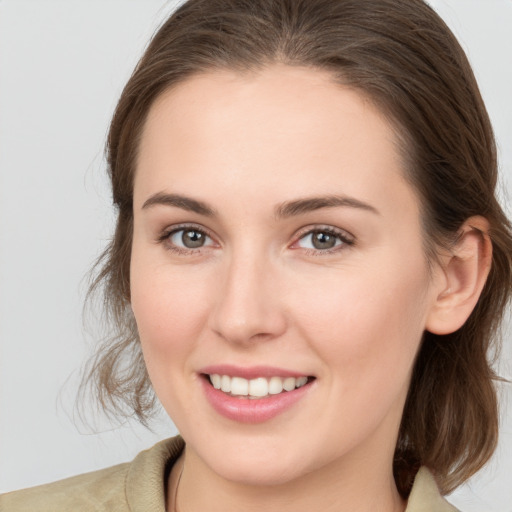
(322, 240)
(192, 239)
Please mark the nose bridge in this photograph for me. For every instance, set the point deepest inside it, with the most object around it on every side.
(247, 305)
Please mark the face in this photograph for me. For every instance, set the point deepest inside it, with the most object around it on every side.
(276, 243)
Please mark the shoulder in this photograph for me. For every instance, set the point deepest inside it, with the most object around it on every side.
(425, 495)
(99, 490)
(137, 485)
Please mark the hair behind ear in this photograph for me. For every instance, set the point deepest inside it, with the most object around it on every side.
(450, 421)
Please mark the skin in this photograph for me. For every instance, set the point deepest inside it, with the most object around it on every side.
(259, 293)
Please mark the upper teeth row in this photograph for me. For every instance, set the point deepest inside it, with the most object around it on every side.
(256, 387)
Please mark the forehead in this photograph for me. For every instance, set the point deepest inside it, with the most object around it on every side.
(279, 125)
(268, 98)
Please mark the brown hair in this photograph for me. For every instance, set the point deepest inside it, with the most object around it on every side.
(400, 54)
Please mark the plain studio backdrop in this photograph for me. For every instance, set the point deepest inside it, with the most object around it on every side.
(63, 64)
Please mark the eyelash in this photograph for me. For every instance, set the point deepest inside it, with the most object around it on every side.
(346, 239)
(165, 238)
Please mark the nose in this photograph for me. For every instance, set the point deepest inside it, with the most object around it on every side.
(248, 306)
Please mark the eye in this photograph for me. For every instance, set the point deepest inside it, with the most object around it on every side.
(186, 239)
(324, 240)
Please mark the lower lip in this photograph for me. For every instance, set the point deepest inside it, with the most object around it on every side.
(246, 410)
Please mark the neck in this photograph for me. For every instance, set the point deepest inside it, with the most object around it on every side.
(361, 487)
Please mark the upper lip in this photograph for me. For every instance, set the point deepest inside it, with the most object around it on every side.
(250, 372)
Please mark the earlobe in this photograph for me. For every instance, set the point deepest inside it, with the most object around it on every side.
(465, 270)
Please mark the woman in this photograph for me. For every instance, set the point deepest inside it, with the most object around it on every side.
(309, 263)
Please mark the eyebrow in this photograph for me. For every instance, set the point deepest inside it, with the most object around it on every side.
(309, 204)
(284, 210)
(179, 201)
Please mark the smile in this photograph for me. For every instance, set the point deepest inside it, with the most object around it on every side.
(254, 394)
(259, 387)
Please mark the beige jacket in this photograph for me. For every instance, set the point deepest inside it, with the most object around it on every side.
(138, 486)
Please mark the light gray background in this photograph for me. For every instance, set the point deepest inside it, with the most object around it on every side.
(62, 67)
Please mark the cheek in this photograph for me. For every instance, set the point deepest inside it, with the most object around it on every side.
(170, 308)
(366, 332)
(367, 323)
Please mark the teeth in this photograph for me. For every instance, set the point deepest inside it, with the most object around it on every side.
(225, 384)
(289, 384)
(256, 388)
(239, 386)
(216, 381)
(275, 385)
(301, 381)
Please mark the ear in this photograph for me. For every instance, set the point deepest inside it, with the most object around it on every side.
(464, 271)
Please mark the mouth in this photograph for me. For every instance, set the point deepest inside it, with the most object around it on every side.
(254, 394)
(257, 388)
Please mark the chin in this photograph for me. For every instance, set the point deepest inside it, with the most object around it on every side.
(256, 460)
(248, 473)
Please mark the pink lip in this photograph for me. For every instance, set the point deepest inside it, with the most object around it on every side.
(249, 372)
(246, 410)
